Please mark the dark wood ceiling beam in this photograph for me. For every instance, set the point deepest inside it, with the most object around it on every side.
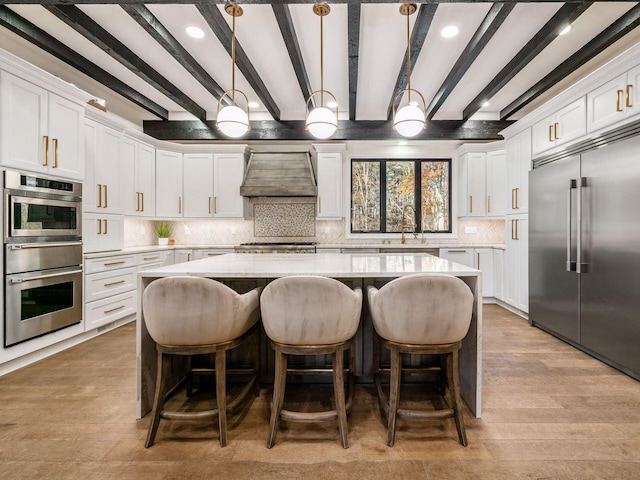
(565, 16)
(418, 36)
(160, 34)
(288, 31)
(604, 39)
(82, 23)
(497, 15)
(221, 29)
(38, 37)
(353, 38)
(347, 130)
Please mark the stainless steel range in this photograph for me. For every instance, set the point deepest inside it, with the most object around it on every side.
(276, 247)
(43, 255)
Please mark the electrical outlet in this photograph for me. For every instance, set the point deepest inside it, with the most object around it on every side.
(187, 230)
(233, 230)
(470, 229)
(326, 230)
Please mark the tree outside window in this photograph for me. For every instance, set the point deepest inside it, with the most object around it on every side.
(394, 185)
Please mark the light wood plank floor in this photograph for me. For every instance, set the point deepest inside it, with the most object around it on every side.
(550, 412)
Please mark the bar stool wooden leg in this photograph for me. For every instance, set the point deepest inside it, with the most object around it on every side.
(454, 386)
(394, 394)
(164, 366)
(376, 361)
(256, 361)
(338, 388)
(221, 395)
(279, 385)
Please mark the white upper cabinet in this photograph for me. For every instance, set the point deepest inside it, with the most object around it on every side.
(198, 185)
(228, 174)
(473, 189)
(614, 101)
(102, 192)
(518, 167)
(329, 177)
(561, 127)
(169, 199)
(138, 177)
(496, 168)
(41, 132)
(482, 181)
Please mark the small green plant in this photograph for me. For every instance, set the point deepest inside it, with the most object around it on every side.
(163, 230)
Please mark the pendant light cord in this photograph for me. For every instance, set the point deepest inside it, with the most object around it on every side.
(408, 62)
(233, 61)
(321, 66)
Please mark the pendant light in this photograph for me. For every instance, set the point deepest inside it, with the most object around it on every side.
(321, 121)
(410, 119)
(232, 120)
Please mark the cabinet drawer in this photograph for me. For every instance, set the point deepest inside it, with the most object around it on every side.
(110, 309)
(106, 284)
(154, 259)
(95, 265)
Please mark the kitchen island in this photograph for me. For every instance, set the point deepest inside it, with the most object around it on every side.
(353, 269)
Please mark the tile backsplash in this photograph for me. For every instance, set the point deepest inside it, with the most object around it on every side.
(304, 228)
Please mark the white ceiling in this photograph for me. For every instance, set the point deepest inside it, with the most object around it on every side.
(381, 50)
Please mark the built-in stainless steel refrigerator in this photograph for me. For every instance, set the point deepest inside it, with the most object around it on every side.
(584, 252)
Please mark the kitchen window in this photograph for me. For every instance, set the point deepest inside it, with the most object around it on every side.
(382, 189)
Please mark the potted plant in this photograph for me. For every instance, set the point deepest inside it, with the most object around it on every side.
(163, 231)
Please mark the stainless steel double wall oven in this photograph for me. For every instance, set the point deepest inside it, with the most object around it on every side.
(43, 255)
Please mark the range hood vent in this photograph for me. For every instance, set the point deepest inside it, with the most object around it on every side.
(279, 175)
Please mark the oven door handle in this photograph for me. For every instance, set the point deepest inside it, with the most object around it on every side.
(13, 281)
(24, 246)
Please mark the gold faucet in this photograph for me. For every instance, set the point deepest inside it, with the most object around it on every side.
(402, 224)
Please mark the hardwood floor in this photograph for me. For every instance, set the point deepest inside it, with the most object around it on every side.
(550, 412)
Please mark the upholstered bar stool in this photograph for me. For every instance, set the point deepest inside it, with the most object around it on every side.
(191, 316)
(310, 315)
(421, 314)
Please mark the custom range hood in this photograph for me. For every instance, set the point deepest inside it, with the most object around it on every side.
(288, 174)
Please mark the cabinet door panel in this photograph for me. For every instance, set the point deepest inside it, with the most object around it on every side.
(169, 201)
(198, 185)
(146, 179)
(605, 105)
(24, 123)
(128, 165)
(66, 132)
(484, 263)
(227, 177)
(571, 121)
(496, 203)
(329, 185)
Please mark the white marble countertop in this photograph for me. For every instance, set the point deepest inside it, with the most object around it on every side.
(340, 265)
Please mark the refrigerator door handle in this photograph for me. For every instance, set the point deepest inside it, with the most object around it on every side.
(571, 264)
(581, 267)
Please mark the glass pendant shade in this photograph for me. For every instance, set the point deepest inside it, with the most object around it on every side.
(322, 122)
(233, 121)
(409, 121)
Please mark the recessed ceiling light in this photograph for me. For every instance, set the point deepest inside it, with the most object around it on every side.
(332, 104)
(565, 30)
(195, 32)
(254, 105)
(450, 31)
(485, 104)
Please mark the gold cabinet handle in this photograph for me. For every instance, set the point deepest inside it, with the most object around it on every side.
(209, 204)
(113, 283)
(488, 203)
(555, 131)
(618, 100)
(106, 201)
(517, 197)
(179, 204)
(110, 264)
(513, 203)
(45, 138)
(551, 133)
(148, 259)
(99, 202)
(215, 205)
(478, 260)
(55, 152)
(137, 201)
(99, 227)
(517, 237)
(319, 204)
(105, 226)
(513, 237)
(114, 309)
(142, 203)
(628, 96)
(470, 203)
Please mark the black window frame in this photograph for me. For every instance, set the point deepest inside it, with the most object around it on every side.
(416, 196)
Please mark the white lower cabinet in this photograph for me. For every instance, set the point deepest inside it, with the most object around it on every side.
(463, 256)
(155, 259)
(110, 289)
(183, 255)
(516, 262)
(210, 252)
(102, 233)
(498, 273)
(480, 258)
